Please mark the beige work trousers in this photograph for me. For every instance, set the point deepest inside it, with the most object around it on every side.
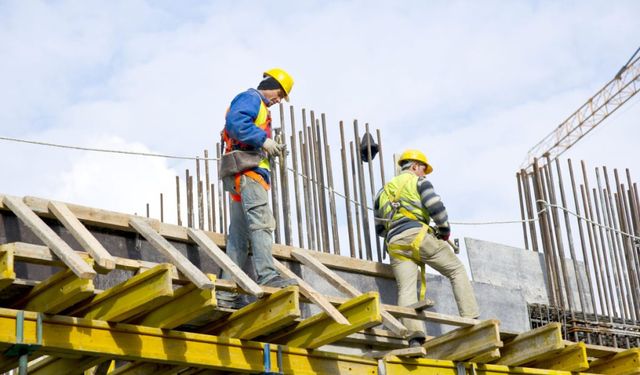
(439, 256)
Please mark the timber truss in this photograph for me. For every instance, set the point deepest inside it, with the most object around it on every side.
(162, 317)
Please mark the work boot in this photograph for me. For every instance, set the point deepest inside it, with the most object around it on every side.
(280, 282)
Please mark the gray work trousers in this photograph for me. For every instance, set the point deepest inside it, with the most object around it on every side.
(439, 256)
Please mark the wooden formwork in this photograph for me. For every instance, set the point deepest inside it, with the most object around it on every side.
(164, 319)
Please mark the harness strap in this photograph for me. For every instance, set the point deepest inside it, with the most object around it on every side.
(398, 251)
(254, 176)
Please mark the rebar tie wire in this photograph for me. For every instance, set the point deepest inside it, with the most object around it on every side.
(330, 190)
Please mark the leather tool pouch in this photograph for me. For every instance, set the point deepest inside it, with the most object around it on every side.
(238, 161)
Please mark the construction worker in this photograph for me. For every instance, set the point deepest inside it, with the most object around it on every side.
(247, 131)
(403, 209)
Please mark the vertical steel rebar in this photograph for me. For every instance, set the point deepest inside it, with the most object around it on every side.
(372, 190)
(208, 191)
(530, 211)
(213, 207)
(347, 194)
(178, 201)
(189, 202)
(382, 178)
(284, 182)
(631, 285)
(222, 195)
(522, 216)
(332, 196)
(200, 195)
(296, 182)
(357, 202)
(315, 187)
(306, 188)
(147, 209)
(317, 142)
(275, 206)
(161, 208)
(363, 193)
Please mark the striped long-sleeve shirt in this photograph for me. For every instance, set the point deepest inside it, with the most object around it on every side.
(429, 200)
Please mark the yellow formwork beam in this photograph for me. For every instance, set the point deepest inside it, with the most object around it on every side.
(58, 292)
(466, 342)
(188, 303)
(7, 273)
(141, 293)
(624, 363)
(362, 312)
(262, 317)
(427, 366)
(53, 366)
(571, 358)
(532, 345)
(77, 336)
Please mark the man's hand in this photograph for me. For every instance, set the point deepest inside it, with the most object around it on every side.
(273, 148)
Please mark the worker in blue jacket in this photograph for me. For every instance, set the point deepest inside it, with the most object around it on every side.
(248, 128)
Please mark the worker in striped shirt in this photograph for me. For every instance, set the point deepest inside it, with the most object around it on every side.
(403, 210)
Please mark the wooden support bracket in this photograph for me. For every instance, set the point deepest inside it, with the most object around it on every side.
(173, 255)
(260, 318)
(89, 243)
(532, 345)
(362, 312)
(220, 257)
(571, 358)
(624, 363)
(465, 343)
(341, 284)
(49, 237)
(7, 273)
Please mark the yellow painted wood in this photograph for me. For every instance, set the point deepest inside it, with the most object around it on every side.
(66, 335)
(571, 358)
(362, 312)
(140, 294)
(624, 363)
(488, 357)
(56, 366)
(188, 303)
(7, 273)
(262, 317)
(532, 345)
(465, 343)
(428, 366)
(57, 293)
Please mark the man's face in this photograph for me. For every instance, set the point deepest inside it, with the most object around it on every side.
(419, 169)
(274, 96)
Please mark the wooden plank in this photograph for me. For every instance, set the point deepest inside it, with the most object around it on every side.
(262, 317)
(571, 358)
(164, 247)
(466, 342)
(532, 345)
(214, 252)
(57, 293)
(598, 351)
(623, 363)
(7, 273)
(54, 365)
(341, 284)
(103, 259)
(187, 304)
(403, 352)
(313, 296)
(488, 357)
(362, 312)
(49, 237)
(140, 294)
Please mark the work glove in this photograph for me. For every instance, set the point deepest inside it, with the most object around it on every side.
(273, 148)
(443, 236)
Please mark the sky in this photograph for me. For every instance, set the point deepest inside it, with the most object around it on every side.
(474, 84)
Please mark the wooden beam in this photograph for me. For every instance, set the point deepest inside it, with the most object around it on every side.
(403, 352)
(54, 365)
(532, 345)
(103, 259)
(164, 247)
(362, 312)
(341, 284)
(140, 294)
(261, 317)
(313, 296)
(49, 237)
(571, 358)
(187, 304)
(57, 293)
(7, 273)
(623, 363)
(70, 336)
(465, 343)
(214, 252)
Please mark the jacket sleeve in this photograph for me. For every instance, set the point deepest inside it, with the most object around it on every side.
(434, 206)
(240, 120)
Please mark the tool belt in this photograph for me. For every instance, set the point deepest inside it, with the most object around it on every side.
(399, 252)
(238, 161)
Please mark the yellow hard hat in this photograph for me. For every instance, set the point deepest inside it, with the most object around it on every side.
(415, 155)
(283, 78)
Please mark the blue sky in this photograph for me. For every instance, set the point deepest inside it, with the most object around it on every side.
(473, 84)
